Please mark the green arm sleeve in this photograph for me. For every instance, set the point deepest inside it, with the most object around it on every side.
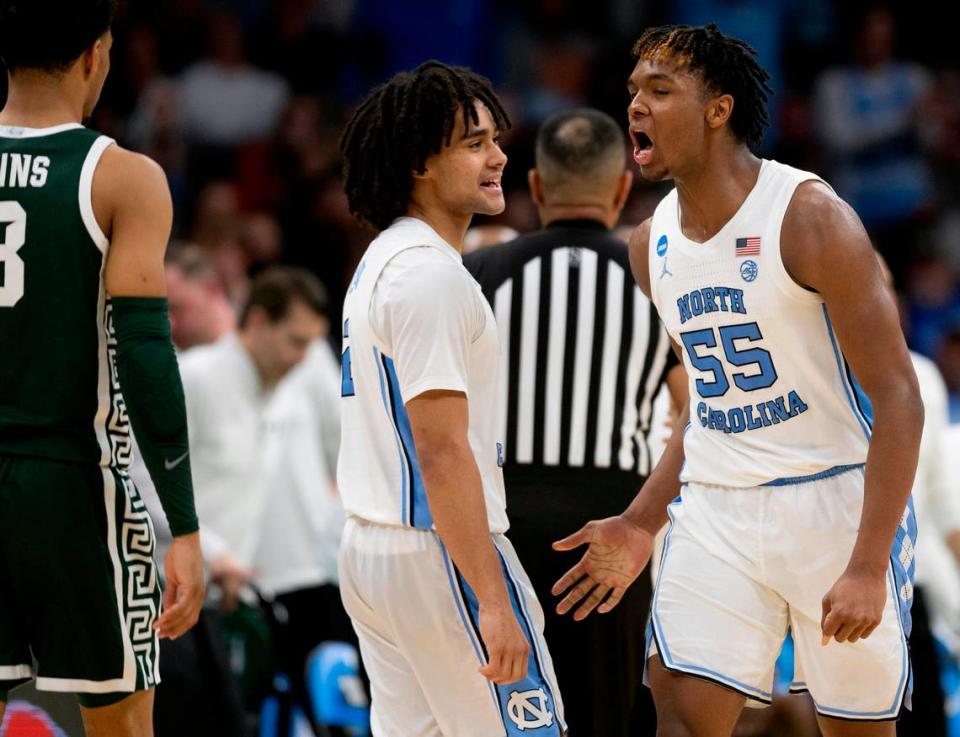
(150, 381)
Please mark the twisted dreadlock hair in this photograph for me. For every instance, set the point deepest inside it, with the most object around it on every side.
(398, 126)
(726, 65)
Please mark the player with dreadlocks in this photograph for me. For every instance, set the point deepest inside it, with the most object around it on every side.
(787, 481)
(450, 630)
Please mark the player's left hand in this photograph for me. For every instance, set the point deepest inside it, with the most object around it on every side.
(183, 566)
(853, 607)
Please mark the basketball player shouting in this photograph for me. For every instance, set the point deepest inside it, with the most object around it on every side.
(794, 510)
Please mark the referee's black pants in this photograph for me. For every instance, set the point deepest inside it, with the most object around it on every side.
(198, 695)
(599, 661)
(927, 718)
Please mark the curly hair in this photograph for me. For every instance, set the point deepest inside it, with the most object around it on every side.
(726, 65)
(399, 126)
(49, 35)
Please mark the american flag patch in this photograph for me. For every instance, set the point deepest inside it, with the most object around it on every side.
(748, 246)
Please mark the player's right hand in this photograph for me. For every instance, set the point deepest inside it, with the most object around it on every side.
(183, 567)
(618, 551)
(507, 649)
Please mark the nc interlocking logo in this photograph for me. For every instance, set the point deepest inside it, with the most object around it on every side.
(529, 709)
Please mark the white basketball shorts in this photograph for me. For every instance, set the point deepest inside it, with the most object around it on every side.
(416, 619)
(741, 567)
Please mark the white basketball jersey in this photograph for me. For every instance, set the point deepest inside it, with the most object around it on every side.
(378, 472)
(771, 397)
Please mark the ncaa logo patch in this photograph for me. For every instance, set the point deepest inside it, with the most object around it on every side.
(662, 245)
(529, 709)
(749, 270)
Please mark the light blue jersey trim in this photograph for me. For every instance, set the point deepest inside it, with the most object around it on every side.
(535, 640)
(865, 422)
(473, 634)
(419, 508)
(835, 471)
(536, 676)
(458, 600)
(664, 649)
(396, 436)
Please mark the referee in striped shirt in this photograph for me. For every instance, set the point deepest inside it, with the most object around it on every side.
(584, 355)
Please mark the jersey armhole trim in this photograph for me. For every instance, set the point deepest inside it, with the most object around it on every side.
(668, 204)
(651, 270)
(86, 192)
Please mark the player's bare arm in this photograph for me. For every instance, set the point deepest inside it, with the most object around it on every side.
(679, 391)
(131, 201)
(439, 422)
(620, 547)
(826, 248)
(132, 205)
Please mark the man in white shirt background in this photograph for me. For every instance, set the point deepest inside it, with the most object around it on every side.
(286, 417)
(200, 312)
(228, 385)
(301, 525)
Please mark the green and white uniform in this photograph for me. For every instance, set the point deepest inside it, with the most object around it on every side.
(78, 586)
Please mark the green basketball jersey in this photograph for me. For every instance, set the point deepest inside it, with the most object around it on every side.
(59, 396)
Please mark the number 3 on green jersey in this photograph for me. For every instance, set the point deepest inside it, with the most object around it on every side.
(13, 230)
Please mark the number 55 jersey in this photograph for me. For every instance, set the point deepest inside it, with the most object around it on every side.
(772, 399)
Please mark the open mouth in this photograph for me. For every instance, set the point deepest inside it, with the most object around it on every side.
(642, 147)
(492, 184)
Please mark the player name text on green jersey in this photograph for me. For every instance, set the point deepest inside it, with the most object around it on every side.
(23, 170)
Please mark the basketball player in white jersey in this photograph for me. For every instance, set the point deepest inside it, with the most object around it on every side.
(449, 626)
(794, 511)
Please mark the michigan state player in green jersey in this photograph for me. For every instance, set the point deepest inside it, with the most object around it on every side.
(86, 352)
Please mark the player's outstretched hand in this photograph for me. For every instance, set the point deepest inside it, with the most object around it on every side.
(853, 607)
(183, 597)
(507, 649)
(618, 551)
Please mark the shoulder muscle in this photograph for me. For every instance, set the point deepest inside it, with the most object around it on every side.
(132, 200)
(822, 237)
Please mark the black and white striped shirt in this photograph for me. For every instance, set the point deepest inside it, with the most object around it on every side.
(583, 351)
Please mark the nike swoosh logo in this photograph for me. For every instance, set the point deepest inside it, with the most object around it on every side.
(170, 465)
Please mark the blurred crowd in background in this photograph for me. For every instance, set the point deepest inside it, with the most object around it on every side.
(242, 102)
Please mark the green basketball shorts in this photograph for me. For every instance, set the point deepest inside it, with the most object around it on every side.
(79, 590)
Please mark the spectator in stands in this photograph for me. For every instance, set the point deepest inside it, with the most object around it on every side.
(948, 360)
(199, 310)
(934, 303)
(223, 100)
(867, 115)
(227, 386)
